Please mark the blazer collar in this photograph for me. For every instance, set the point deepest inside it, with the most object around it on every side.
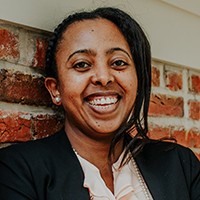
(158, 173)
(75, 186)
(149, 162)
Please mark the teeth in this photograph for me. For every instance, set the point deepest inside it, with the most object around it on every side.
(103, 101)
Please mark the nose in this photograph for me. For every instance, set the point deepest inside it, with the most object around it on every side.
(102, 76)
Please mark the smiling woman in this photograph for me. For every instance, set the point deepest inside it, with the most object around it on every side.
(96, 96)
(98, 68)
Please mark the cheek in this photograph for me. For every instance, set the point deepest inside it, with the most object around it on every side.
(72, 82)
(71, 100)
(133, 86)
(129, 82)
(72, 88)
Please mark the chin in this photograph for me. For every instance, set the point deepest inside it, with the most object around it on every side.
(106, 131)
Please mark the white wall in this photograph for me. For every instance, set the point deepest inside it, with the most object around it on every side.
(173, 30)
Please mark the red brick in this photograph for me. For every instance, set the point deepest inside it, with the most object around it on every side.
(157, 132)
(195, 83)
(14, 127)
(21, 88)
(155, 77)
(21, 127)
(193, 138)
(190, 139)
(194, 110)
(45, 125)
(39, 58)
(180, 136)
(9, 45)
(174, 80)
(197, 155)
(163, 105)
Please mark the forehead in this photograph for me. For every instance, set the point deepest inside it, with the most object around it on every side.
(91, 25)
(92, 32)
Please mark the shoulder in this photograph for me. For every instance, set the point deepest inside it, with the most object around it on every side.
(32, 168)
(160, 147)
(34, 149)
(41, 156)
(168, 153)
(173, 163)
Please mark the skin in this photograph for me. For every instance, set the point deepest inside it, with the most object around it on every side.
(97, 83)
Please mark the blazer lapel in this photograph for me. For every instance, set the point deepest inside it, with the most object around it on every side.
(160, 168)
(75, 176)
(152, 179)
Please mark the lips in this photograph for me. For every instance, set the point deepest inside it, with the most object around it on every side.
(103, 103)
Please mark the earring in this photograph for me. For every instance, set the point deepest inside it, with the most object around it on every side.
(57, 99)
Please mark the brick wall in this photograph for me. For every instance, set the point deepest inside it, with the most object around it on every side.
(175, 104)
(26, 111)
(25, 105)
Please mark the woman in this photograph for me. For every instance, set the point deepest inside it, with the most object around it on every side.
(99, 70)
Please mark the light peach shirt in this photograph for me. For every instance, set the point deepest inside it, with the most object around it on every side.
(127, 182)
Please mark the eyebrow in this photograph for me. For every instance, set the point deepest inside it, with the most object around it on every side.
(89, 51)
(110, 51)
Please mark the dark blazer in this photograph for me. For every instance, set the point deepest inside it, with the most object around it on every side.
(48, 169)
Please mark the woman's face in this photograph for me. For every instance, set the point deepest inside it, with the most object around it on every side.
(97, 78)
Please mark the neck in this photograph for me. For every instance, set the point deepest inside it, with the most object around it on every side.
(95, 150)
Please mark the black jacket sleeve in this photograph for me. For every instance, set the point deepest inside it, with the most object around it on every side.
(191, 167)
(15, 177)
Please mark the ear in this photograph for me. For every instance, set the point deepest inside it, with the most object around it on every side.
(52, 86)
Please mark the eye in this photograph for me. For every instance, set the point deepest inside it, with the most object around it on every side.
(119, 64)
(82, 66)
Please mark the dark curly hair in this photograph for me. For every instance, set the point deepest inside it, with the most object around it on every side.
(141, 53)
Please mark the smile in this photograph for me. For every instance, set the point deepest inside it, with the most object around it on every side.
(103, 101)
